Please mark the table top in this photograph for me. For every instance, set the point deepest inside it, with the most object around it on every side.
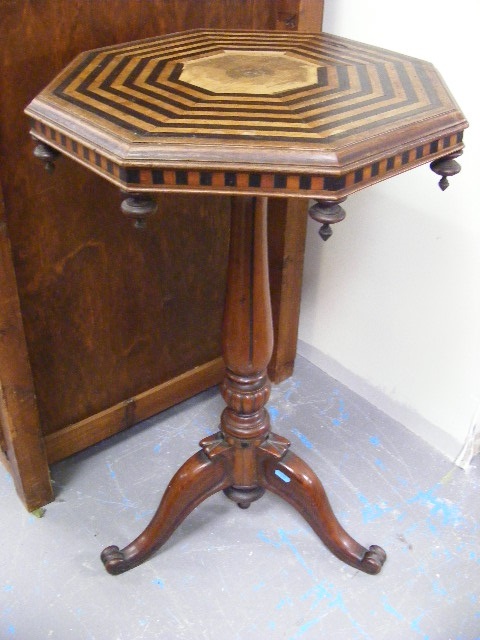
(277, 113)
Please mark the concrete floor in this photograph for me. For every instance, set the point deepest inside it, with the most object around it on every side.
(228, 574)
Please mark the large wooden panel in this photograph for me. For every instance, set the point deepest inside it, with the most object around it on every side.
(20, 435)
(105, 335)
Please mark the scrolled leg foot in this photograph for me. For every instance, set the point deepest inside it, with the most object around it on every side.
(373, 560)
(294, 481)
(113, 560)
(197, 479)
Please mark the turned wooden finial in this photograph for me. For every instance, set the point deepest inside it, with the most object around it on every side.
(446, 167)
(327, 212)
(137, 207)
(46, 154)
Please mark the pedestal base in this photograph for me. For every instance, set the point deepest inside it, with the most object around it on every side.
(245, 458)
(278, 470)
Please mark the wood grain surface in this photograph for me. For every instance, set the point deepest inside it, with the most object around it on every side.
(94, 319)
(252, 112)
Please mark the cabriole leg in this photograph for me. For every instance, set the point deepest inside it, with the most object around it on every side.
(199, 478)
(294, 481)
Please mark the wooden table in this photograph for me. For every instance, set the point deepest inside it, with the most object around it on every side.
(251, 114)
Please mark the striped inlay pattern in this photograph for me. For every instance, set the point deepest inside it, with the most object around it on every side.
(248, 112)
(249, 182)
(355, 88)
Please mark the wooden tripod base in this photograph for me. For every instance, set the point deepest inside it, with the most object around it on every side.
(245, 458)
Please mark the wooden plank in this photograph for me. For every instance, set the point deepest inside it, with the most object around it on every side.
(286, 238)
(302, 15)
(21, 439)
(287, 229)
(310, 15)
(94, 429)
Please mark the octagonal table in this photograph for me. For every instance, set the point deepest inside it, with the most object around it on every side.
(251, 114)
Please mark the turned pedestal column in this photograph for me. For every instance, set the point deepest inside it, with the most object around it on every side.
(244, 458)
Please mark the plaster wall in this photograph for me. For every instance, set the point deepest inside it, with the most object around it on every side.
(391, 303)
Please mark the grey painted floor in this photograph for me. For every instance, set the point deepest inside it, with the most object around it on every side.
(229, 574)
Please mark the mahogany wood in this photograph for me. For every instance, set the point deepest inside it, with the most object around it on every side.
(245, 458)
(18, 410)
(197, 479)
(286, 241)
(93, 352)
(304, 491)
(125, 414)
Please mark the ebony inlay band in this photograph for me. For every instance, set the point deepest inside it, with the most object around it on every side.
(269, 182)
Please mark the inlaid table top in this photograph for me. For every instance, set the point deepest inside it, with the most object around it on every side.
(276, 113)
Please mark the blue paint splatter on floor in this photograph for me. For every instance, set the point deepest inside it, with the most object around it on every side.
(143, 515)
(322, 593)
(273, 412)
(438, 589)
(294, 385)
(415, 626)
(325, 593)
(442, 511)
(284, 602)
(292, 586)
(284, 539)
(159, 583)
(371, 511)
(342, 415)
(305, 627)
(303, 438)
(390, 609)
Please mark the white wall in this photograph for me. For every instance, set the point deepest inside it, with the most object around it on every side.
(391, 303)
